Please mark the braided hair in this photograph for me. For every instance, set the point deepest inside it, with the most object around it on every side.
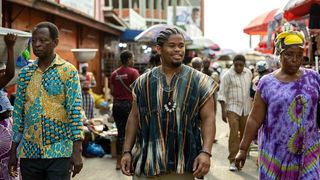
(165, 34)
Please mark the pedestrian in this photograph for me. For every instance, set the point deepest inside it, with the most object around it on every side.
(262, 69)
(87, 82)
(206, 70)
(196, 63)
(154, 60)
(206, 67)
(6, 109)
(8, 71)
(234, 97)
(47, 113)
(171, 111)
(120, 82)
(285, 111)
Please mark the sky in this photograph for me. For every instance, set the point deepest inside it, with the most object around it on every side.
(224, 20)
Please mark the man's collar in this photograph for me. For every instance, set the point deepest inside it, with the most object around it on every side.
(158, 71)
(57, 61)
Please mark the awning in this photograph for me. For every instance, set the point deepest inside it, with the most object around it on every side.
(129, 34)
(295, 9)
(259, 26)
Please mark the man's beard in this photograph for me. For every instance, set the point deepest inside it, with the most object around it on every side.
(176, 64)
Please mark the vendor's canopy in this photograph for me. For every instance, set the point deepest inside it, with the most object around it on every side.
(129, 34)
(295, 9)
(259, 26)
(203, 43)
(150, 35)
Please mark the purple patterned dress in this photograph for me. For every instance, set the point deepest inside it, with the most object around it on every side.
(289, 138)
(5, 145)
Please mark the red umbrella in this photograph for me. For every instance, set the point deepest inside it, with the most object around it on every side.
(297, 8)
(259, 26)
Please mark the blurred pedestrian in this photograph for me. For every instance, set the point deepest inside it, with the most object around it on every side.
(87, 82)
(234, 97)
(262, 68)
(7, 73)
(206, 70)
(196, 63)
(154, 60)
(285, 111)
(47, 113)
(120, 82)
(164, 123)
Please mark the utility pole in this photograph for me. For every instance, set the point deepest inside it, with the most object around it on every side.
(174, 12)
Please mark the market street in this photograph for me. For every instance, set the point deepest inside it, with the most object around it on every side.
(104, 168)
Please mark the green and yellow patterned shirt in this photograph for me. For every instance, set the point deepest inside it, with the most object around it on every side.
(47, 110)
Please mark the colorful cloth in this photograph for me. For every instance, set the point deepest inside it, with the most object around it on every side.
(5, 146)
(47, 110)
(289, 140)
(288, 38)
(5, 104)
(87, 81)
(169, 141)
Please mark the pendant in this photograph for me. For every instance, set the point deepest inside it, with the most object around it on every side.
(170, 106)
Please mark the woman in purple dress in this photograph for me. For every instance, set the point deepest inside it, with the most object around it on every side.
(285, 108)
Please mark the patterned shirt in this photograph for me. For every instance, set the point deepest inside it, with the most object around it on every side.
(169, 141)
(47, 110)
(235, 91)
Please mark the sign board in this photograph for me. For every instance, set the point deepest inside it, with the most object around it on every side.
(136, 21)
(85, 6)
(187, 17)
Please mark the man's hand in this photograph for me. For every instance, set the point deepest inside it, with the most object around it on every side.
(241, 159)
(126, 164)
(76, 159)
(10, 39)
(224, 116)
(13, 161)
(201, 165)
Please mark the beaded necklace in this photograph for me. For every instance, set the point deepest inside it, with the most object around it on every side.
(170, 106)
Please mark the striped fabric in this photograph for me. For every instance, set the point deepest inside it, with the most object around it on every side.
(235, 91)
(88, 104)
(169, 141)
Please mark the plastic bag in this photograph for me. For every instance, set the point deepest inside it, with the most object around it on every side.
(95, 149)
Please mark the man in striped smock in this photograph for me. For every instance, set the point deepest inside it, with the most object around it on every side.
(171, 112)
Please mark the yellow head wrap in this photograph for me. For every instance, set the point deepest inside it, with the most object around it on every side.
(288, 38)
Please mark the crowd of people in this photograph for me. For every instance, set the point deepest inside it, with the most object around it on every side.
(165, 117)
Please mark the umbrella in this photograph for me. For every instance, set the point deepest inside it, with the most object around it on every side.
(202, 43)
(298, 8)
(214, 47)
(225, 54)
(151, 34)
(259, 25)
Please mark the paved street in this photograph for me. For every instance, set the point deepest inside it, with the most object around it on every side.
(104, 168)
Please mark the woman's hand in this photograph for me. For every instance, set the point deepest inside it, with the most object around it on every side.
(241, 159)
